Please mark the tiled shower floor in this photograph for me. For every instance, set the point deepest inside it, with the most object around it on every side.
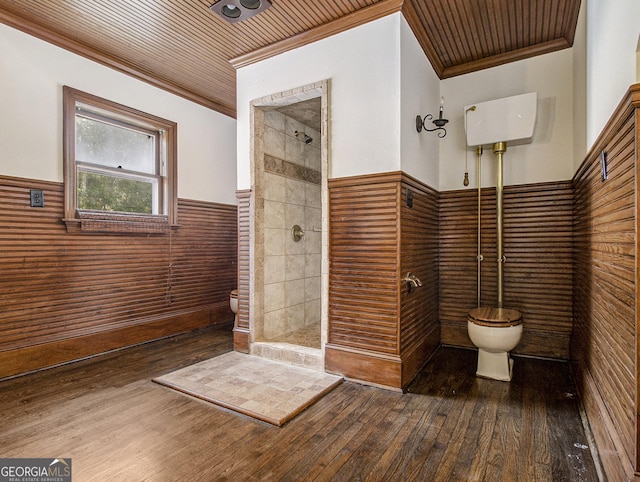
(307, 336)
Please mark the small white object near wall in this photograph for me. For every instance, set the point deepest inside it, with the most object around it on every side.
(501, 120)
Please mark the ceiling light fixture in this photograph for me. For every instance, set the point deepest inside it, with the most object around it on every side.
(439, 123)
(238, 10)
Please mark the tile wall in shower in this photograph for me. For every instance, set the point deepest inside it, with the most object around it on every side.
(292, 196)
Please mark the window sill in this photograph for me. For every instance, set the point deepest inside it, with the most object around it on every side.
(97, 222)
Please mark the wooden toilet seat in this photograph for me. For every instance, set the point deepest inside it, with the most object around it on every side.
(495, 317)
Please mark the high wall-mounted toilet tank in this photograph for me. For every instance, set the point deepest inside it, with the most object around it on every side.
(510, 119)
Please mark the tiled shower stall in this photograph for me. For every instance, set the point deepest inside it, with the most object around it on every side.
(292, 197)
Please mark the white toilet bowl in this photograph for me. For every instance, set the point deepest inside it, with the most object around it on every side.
(495, 331)
(233, 304)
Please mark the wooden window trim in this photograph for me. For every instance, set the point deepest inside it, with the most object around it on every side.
(106, 222)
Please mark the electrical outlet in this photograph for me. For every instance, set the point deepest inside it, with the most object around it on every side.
(604, 168)
(409, 198)
(37, 198)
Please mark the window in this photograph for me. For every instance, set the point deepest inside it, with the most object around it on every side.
(119, 167)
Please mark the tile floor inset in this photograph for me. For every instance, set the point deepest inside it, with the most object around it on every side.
(271, 391)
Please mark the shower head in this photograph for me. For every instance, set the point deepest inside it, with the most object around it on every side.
(306, 138)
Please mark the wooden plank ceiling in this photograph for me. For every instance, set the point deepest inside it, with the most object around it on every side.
(181, 46)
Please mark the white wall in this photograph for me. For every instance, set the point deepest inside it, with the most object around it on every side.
(420, 95)
(381, 79)
(363, 65)
(550, 155)
(613, 27)
(638, 61)
(32, 73)
(373, 108)
(580, 89)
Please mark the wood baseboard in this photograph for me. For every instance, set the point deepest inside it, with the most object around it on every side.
(366, 367)
(414, 359)
(610, 448)
(31, 358)
(385, 371)
(241, 340)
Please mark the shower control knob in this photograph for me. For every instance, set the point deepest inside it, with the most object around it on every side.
(297, 233)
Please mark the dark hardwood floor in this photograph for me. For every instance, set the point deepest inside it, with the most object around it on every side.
(117, 425)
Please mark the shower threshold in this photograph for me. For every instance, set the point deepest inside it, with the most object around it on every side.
(300, 348)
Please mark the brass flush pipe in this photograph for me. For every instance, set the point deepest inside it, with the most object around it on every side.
(479, 256)
(499, 148)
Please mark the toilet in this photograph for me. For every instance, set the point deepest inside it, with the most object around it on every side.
(233, 304)
(495, 331)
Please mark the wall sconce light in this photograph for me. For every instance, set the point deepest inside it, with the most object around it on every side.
(439, 123)
(238, 10)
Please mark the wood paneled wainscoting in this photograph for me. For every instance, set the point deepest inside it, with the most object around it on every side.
(380, 332)
(241, 334)
(604, 346)
(65, 296)
(538, 246)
